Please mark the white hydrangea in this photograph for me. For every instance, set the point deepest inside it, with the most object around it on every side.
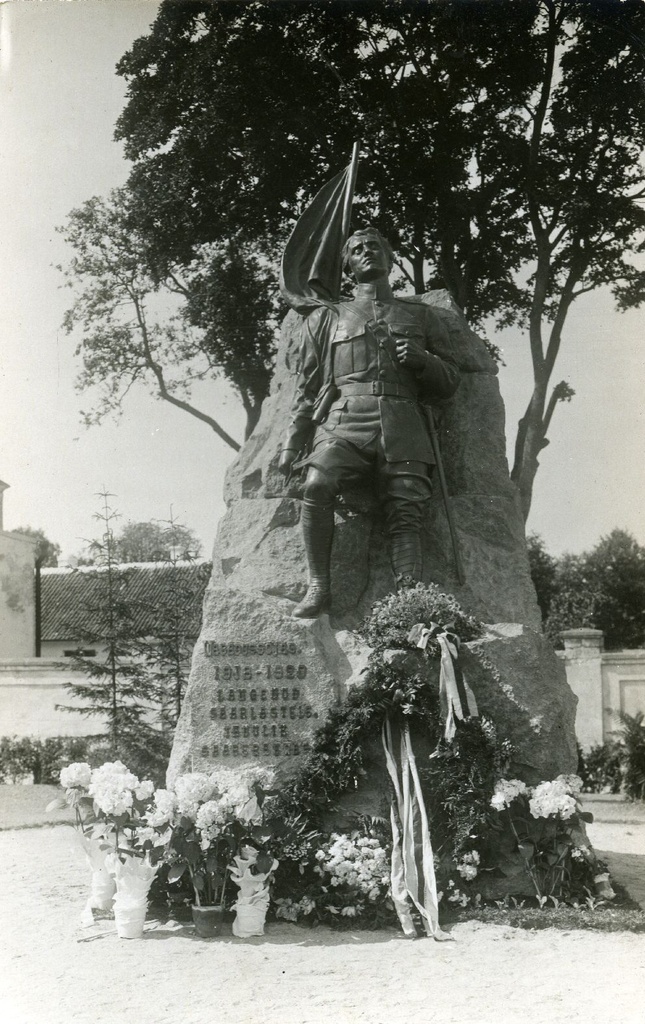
(112, 786)
(209, 820)
(557, 798)
(164, 809)
(506, 790)
(144, 790)
(76, 775)
(192, 790)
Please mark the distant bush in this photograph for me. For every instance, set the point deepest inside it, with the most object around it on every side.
(29, 759)
(602, 767)
(634, 741)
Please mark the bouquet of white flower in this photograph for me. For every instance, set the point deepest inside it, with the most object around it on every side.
(358, 868)
(201, 822)
(109, 803)
(544, 821)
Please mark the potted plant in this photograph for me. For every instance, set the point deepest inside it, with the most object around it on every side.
(109, 804)
(252, 871)
(202, 822)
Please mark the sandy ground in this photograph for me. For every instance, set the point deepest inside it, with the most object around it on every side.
(55, 972)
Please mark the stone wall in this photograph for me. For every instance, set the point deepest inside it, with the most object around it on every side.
(606, 683)
(17, 596)
(30, 689)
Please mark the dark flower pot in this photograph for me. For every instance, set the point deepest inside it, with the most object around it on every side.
(207, 921)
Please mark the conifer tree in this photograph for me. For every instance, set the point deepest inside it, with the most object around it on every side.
(118, 689)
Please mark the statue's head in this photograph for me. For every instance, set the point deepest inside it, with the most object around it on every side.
(363, 246)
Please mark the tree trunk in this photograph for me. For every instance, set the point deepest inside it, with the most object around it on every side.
(253, 410)
(529, 443)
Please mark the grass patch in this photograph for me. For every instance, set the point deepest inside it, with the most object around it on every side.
(621, 914)
(24, 807)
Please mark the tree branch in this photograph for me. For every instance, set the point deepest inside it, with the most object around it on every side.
(163, 389)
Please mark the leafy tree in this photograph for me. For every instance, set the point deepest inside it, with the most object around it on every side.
(543, 572)
(47, 551)
(502, 146)
(150, 541)
(604, 589)
(166, 328)
(156, 542)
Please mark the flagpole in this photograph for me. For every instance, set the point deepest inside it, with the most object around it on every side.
(349, 192)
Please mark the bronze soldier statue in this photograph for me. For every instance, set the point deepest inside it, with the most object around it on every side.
(367, 368)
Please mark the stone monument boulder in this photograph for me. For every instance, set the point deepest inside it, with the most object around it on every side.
(250, 642)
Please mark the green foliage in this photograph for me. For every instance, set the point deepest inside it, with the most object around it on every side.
(30, 759)
(458, 782)
(392, 618)
(546, 850)
(47, 551)
(502, 146)
(152, 542)
(633, 736)
(307, 892)
(145, 749)
(169, 327)
(543, 568)
(601, 767)
(603, 588)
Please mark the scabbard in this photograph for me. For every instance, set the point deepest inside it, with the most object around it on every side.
(434, 441)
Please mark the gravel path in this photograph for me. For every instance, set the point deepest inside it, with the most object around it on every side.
(55, 972)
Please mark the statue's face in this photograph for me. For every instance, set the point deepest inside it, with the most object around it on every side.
(366, 258)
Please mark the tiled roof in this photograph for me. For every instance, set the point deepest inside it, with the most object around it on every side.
(71, 598)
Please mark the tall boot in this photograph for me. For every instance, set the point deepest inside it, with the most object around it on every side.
(406, 558)
(318, 531)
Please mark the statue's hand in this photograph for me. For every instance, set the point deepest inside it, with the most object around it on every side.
(287, 458)
(411, 353)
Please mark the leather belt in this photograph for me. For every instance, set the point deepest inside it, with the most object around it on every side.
(377, 387)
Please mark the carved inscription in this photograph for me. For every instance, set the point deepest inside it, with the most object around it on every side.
(260, 701)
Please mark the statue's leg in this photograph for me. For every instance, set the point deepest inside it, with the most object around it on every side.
(407, 489)
(317, 519)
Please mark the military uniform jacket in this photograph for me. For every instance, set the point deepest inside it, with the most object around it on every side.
(350, 347)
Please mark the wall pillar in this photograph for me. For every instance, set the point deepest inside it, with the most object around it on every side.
(583, 662)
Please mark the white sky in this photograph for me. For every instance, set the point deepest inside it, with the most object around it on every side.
(59, 99)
